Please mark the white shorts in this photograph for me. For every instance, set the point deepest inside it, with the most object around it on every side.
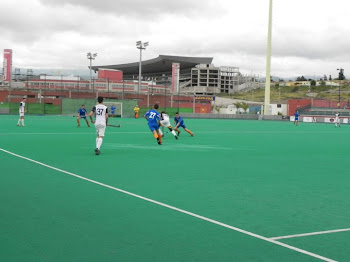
(165, 123)
(100, 129)
(21, 113)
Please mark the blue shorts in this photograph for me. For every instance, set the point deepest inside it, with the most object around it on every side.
(83, 117)
(112, 112)
(153, 126)
(296, 119)
(183, 126)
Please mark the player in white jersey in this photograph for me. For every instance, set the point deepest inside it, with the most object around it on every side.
(165, 122)
(337, 120)
(22, 110)
(101, 121)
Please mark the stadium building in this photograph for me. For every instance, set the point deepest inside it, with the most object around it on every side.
(197, 75)
(170, 81)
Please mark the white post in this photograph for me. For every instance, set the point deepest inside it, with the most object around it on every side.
(268, 62)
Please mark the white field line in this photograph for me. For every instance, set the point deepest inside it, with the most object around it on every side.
(243, 132)
(90, 133)
(176, 209)
(312, 233)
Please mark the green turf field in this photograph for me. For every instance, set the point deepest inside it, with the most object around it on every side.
(223, 195)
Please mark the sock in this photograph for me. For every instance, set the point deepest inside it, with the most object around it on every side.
(189, 131)
(96, 141)
(155, 136)
(19, 120)
(173, 132)
(22, 120)
(99, 142)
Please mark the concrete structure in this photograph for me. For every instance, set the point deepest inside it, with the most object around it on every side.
(279, 109)
(197, 74)
(160, 68)
(229, 79)
(205, 79)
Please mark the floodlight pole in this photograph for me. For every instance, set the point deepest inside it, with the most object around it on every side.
(339, 94)
(140, 74)
(91, 57)
(268, 62)
(141, 46)
(340, 78)
(29, 73)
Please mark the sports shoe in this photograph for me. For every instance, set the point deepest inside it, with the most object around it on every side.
(97, 151)
(192, 134)
(159, 143)
(18, 125)
(178, 133)
(176, 137)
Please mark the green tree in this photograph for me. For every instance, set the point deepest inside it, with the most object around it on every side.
(313, 83)
(244, 107)
(238, 105)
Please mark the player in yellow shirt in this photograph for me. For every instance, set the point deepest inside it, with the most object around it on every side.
(136, 110)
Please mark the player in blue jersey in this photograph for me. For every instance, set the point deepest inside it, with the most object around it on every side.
(113, 108)
(296, 118)
(82, 114)
(179, 122)
(153, 118)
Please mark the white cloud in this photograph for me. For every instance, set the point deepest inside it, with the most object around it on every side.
(309, 37)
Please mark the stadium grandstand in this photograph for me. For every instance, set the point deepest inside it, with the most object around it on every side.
(197, 74)
(190, 83)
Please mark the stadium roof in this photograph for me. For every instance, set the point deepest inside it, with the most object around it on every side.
(162, 63)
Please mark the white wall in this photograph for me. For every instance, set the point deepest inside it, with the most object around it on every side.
(282, 110)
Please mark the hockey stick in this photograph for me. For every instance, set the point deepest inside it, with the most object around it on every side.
(113, 125)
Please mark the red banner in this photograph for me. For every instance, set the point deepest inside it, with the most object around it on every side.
(7, 68)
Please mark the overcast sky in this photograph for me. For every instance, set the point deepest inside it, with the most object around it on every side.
(309, 37)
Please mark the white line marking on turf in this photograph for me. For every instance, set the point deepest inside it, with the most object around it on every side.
(176, 209)
(312, 233)
(78, 133)
(211, 133)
